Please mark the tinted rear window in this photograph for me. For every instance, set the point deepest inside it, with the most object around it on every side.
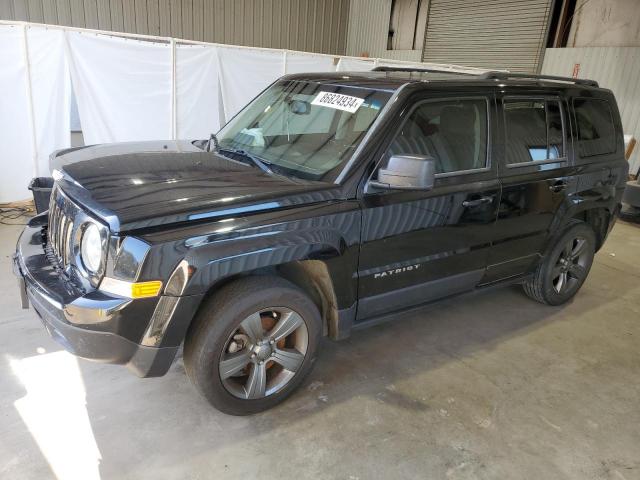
(534, 131)
(596, 133)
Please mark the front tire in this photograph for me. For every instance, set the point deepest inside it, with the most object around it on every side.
(252, 344)
(565, 267)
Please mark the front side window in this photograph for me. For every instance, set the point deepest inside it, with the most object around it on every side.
(596, 133)
(453, 132)
(535, 130)
(304, 129)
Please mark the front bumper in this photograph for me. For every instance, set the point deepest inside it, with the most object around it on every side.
(91, 325)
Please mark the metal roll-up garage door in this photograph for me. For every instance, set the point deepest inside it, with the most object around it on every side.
(501, 34)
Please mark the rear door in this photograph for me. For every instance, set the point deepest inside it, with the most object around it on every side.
(537, 177)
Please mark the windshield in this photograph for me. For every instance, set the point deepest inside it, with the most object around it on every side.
(303, 128)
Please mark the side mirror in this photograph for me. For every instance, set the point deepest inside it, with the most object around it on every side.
(407, 172)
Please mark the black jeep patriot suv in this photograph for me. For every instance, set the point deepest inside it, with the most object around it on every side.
(329, 202)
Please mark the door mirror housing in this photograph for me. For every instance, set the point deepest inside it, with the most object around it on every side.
(407, 172)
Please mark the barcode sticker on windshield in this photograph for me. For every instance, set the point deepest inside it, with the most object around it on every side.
(338, 101)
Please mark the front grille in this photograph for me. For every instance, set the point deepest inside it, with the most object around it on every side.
(61, 226)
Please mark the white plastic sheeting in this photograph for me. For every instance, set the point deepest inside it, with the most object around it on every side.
(356, 65)
(51, 90)
(128, 88)
(34, 113)
(123, 87)
(15, 134)
(297, 62)
(197, 91)
(244, 73)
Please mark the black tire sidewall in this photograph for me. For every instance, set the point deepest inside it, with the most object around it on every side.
(550, 295)
(221, 316)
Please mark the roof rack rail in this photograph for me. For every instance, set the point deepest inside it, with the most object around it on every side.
(493, 75)
(423, 70)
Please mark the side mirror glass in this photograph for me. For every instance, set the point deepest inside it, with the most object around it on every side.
(407, 172)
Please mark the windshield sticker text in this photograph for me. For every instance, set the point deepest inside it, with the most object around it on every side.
(338, 101)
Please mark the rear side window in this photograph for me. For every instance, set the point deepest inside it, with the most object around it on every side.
(453, 132)
(535, 131)
(596, 133)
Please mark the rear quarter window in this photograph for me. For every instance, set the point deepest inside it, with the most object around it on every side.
(596, 131)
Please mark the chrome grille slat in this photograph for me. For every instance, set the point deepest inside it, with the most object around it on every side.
(56, 231)
(54, 226)
(67, 242)
(62, 241)
(53, 208)
(60, 231)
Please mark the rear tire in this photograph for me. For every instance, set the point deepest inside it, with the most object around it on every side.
(252, 344)
(565, 267)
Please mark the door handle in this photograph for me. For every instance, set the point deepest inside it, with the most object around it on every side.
(558, 186)
(476, 202)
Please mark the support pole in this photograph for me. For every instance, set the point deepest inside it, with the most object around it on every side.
(32, 120)
(174, 99)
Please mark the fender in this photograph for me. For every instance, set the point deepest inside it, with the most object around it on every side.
(600, 193)
(332, 238)
(215, 252)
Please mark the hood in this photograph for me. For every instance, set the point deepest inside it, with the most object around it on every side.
(133, 186)
(66, 156)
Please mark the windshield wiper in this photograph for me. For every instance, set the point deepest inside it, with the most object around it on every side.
(255, 159)
(212, 139)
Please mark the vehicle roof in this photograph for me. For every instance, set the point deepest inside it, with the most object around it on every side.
(392, 80)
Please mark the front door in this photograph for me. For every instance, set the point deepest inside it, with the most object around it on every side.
(536, 176)
(421, 245)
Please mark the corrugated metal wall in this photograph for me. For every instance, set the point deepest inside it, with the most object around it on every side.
(306, 25)
(616, 68)
(503, 34)
(368, 31)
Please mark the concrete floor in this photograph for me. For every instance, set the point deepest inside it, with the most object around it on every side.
(483, 386)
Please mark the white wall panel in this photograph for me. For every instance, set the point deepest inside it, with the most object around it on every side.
(616, 68)
(605, 23)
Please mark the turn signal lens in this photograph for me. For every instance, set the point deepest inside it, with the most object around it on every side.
(145, 289)
(130, 289)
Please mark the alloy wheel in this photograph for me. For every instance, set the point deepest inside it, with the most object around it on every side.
(264, 353)
(570, 269)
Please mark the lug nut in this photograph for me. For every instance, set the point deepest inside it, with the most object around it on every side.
(253, 355)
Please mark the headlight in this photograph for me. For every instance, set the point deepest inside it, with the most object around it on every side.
(91, 248)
